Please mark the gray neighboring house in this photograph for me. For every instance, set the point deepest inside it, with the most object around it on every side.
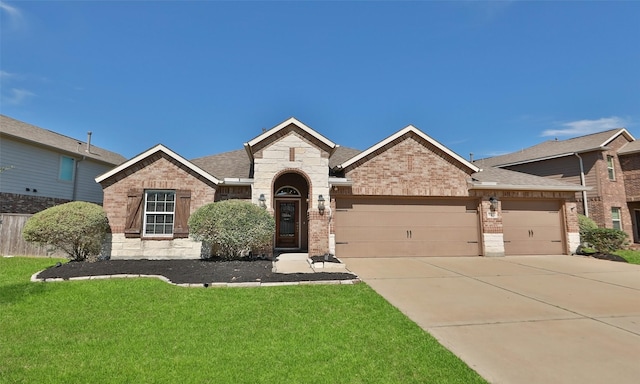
(42, 168)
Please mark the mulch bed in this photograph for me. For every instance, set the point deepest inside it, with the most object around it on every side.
(608, 256)
(190, 271)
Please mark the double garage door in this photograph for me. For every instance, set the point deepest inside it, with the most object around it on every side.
(396, 227)
(377, 227)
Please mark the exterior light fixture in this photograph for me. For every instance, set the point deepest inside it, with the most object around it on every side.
(321, 204)
(494, 203)
(262, 201)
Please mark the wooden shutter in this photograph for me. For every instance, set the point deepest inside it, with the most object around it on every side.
(133, 223)
(181, 221)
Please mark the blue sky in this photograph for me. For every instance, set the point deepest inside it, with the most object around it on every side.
(203, 77)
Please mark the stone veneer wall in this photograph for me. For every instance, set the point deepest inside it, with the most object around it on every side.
(313, 163)
(158, 171)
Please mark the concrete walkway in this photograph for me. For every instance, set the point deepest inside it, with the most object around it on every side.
(522, 319)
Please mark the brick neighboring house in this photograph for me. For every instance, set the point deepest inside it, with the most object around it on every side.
(42, 168)
(608, 162)
(408, 195)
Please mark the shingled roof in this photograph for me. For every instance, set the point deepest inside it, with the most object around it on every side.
(498, 178)
(26, 132)
(236, 164)
(556, 148)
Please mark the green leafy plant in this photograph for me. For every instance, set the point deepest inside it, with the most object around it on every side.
(77, 228)
(232, 227)
(606, 240)
(585, 224)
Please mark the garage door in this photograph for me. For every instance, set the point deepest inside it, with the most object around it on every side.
(532, 228)
(406, 227)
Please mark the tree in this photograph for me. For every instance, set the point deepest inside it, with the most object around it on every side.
(78, 228)
(232, 227)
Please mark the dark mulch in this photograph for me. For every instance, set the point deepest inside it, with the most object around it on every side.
(190, 271)
(608, 256)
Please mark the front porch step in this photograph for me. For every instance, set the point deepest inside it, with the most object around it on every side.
(293, 256)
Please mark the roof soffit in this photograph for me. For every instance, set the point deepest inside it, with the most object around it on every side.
(402, 134)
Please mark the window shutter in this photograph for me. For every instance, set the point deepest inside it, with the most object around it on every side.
(183, 205)
(133, 224)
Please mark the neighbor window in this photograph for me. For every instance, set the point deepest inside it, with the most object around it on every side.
(67, 165)
(615, 218)
(610, 169)
(159, 211)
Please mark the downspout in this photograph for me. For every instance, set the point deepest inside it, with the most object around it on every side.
(75, 179)
(584, 184)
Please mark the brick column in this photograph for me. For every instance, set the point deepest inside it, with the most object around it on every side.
(318, 233)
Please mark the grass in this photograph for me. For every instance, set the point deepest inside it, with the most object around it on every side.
(631, 256)
(147, 331)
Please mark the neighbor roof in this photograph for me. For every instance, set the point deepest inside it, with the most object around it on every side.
(557, 148)
(632, 147)
(497, 178)
(44, 137)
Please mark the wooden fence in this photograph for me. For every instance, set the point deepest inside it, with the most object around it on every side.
(11, 242)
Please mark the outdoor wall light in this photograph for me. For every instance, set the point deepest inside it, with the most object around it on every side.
(494, 203)
(321, 204)
(263, 201)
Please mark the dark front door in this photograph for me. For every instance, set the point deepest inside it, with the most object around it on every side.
(287, 223)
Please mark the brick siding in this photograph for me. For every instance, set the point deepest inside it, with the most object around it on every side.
(158, 171)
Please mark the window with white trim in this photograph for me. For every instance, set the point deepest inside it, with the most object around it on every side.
(610, 169)
(67, 168)
(615, 218)
(159, 212)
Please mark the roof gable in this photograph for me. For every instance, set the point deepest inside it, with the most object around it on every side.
(408, 130)
(282, 129)
(46, 138)
(558, 148)
(152, 151)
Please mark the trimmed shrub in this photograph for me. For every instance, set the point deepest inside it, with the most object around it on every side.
(585, 224)
(78, 228)
(232, 227)
(606, 240)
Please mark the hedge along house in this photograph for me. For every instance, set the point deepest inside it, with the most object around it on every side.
(408, 195)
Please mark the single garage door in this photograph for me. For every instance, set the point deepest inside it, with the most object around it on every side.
(532, 227)
(390, 227)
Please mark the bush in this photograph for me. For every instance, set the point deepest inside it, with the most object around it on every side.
(585, 224)
(77, 228)
(606, 240)
(232, 227)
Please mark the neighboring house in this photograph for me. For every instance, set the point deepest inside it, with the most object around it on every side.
(607, 162)
(408, 195)
(42, 168)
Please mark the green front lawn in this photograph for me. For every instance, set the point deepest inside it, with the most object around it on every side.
(631, 256)
(147, 331)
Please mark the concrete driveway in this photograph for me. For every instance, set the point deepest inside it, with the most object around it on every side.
(521, 319)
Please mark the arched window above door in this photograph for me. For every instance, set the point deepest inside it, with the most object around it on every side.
(287, 191)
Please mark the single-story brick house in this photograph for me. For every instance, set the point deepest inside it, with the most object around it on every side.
(407, 195)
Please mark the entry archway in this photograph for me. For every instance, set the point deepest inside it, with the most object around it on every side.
(291, 192)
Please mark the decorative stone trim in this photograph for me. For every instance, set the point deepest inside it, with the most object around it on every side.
(256, 284)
